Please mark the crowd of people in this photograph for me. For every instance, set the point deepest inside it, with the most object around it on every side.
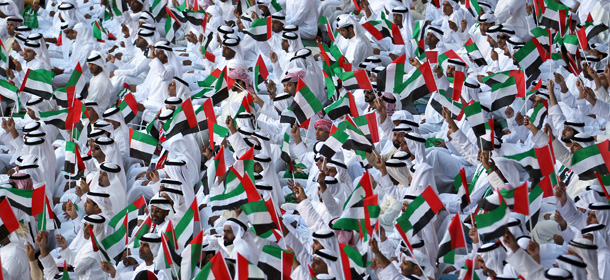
(305, 139)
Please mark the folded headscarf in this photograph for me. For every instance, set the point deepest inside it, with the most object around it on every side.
(240, 74)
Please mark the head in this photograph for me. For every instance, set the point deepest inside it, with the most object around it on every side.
(103, 179)
(70, 33)
(285, 45)
(502, 37)
(567, 133)
(86, 226)
(316, 245)
(145, 252)
(227, 53)
(290, 87)
(96, 152)
(369, 96)
(228, 235)
(91, 208)
(484, 26)
(397, 19)
(136, 6)
(319, 266)
(141, 43)
(347, 32)
(157, 215)
(450, 70)
(407, 267)
(10, 27)
(93, 116)
(398, 139)
(447, 7)
(171, 88)
(277, 26)
(162, 56)
(431, 40)
(29, 54)
(258, 168)
(591, 218)
(95, 69)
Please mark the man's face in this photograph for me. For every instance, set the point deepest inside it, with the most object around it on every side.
(484, 26)
(502, 37)
(86, 230)
(103, 179)
(171, 88)
(157, 215)
(162, 56)
(114, 124)
(29, 55)
(136, 6)
(591, 218)
(319, 266)
(258, 168)
(290, 87)
(347, 32)
(91, 208)
(431, 40)
(141, 43)
(94, 69)
(398, 19)
(407, 267)
(450, 71)
(227, 52)
(447, 8)
(285, 45)
(145, 252)
(316, 245)
(277, 26)
(10, 27)
(567, 133)
(574, 147)
(70, 33)
(397, 139)
(321, 134)
(96, 151)
(228, 235)
(537, 101)
(369, 95)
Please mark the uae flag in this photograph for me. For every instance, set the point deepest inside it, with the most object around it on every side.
(463, 189)
(219, 162)
(4, 57)
(544, 36)
(504, 94)
(582, 38)
(589, 160)
(8, 90)
(357, 141)
(418, 39)
(276, 263)
(537, 161)
(172, 25)
(305, 103)
(191, 256)
(354, 208)
(356, 80)
(381, 29)
(419, 84)
(418, 214)
(570, 42)
(453, 242)
(440, 100)
(131, 213)
(182, 121)
(259, 216)
(458, 83)
(473, 7)
(555, 16)
(188, 225)
(170, 259)
(100, 33)
(115, 243)
(285, 148)
(474, 51)
(492, 224)
(204, 48)
(260, 73)
(196, 17)
(216, 268)
(97, 246)
(157, 9)
(487, 141)
(129, 107)
(476, 118)
(368, 125)
(211, 79)
(324, 21)
(539, 114)
(239, 190)
(38, 82)
(592, 29)
(47, 219)
(31, 202)
(517, 199)
(73, 161)
(530, 57)
(334, 143)
(468, 272)
(142, 145)
(55, 118)
(118, 7)
(535, 202)
(221, 88)
(260, 29)
(144, 229)
(345, 105)
(8, 221)
(391, 79)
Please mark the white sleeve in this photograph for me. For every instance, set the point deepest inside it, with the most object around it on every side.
(311, 216)
(525, 265)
